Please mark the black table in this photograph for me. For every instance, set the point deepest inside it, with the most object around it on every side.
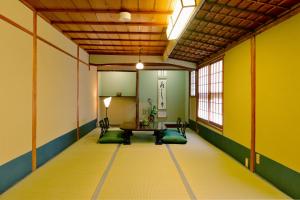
(157, 127)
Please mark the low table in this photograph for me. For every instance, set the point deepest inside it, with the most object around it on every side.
(157, 127)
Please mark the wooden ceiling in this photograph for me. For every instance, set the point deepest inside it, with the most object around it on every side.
(95, 25)
(220, 23)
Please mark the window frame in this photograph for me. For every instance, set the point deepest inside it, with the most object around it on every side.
(190, 83)
(204, 121)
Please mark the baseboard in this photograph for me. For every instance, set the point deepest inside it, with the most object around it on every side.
(16, 169)
(232, 148)
(51, 149)
(282, 177)
(88, 127)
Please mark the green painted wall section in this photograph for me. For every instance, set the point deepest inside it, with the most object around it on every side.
(112, 82)
(177, 101)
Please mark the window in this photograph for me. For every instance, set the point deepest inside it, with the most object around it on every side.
(210, 102)
(193, 83)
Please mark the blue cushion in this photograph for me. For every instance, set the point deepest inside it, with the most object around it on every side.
(173, 137)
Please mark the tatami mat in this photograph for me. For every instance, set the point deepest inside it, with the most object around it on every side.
(73, 174)
(213, 174)
(143, 170)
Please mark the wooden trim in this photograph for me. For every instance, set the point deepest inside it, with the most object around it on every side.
(124, 40)
(77, 98)
(115, 32)
(110, 23)
(253, 103)
(208, 122)
(114, 11)
(212, 60)
(16, 24)
(134, 70)
(197, 92)
(97, 97)
(124, 54)
(38, 37)
(145, 64)
(119, 45)
(34, 91)
(137, 98)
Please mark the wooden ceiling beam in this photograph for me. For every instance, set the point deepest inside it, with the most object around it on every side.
(121, 40)
(224, 25)
(118, 45)
(110, 23)
(114, 32)
(209, 34)
(222, 5)
(231, 16)
(109, 11)
(127, 48)
(149, 64)
(202, 42)
(180, 47)
(124, 53)
(187, 56)
(268, 4)
(193, 46)
(192, 55)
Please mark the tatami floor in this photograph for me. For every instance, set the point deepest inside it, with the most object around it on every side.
(88, 170)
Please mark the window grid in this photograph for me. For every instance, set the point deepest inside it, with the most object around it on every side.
(210, 102)
(193, 83)
(203, 93)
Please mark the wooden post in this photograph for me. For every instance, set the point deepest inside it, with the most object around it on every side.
(137, 98)
(34, 90)
(197, 90)
(253, 103)
(77, 100)
(97, 97)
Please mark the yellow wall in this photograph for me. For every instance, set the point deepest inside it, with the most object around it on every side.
(87, 94)
(278, 97)
(124, 105)
(56, 83)
(237, 94)
(15, 87)
(277, 87)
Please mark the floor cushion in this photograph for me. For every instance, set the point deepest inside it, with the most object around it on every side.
(173, 137)
(112, 137)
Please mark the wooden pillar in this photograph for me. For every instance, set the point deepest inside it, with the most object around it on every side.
(137, 98)
(253, 103)
(34, 90)
(197, 90)
(77, 100)
(97, 97)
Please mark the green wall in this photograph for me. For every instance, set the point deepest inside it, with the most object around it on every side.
(177, 95)
(112, 82)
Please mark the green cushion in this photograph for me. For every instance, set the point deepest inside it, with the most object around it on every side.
(173, 137)
(112, 137)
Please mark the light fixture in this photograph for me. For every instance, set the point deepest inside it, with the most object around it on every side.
(107, 103)
(139, 65)
(183, 11)
(125, 17)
